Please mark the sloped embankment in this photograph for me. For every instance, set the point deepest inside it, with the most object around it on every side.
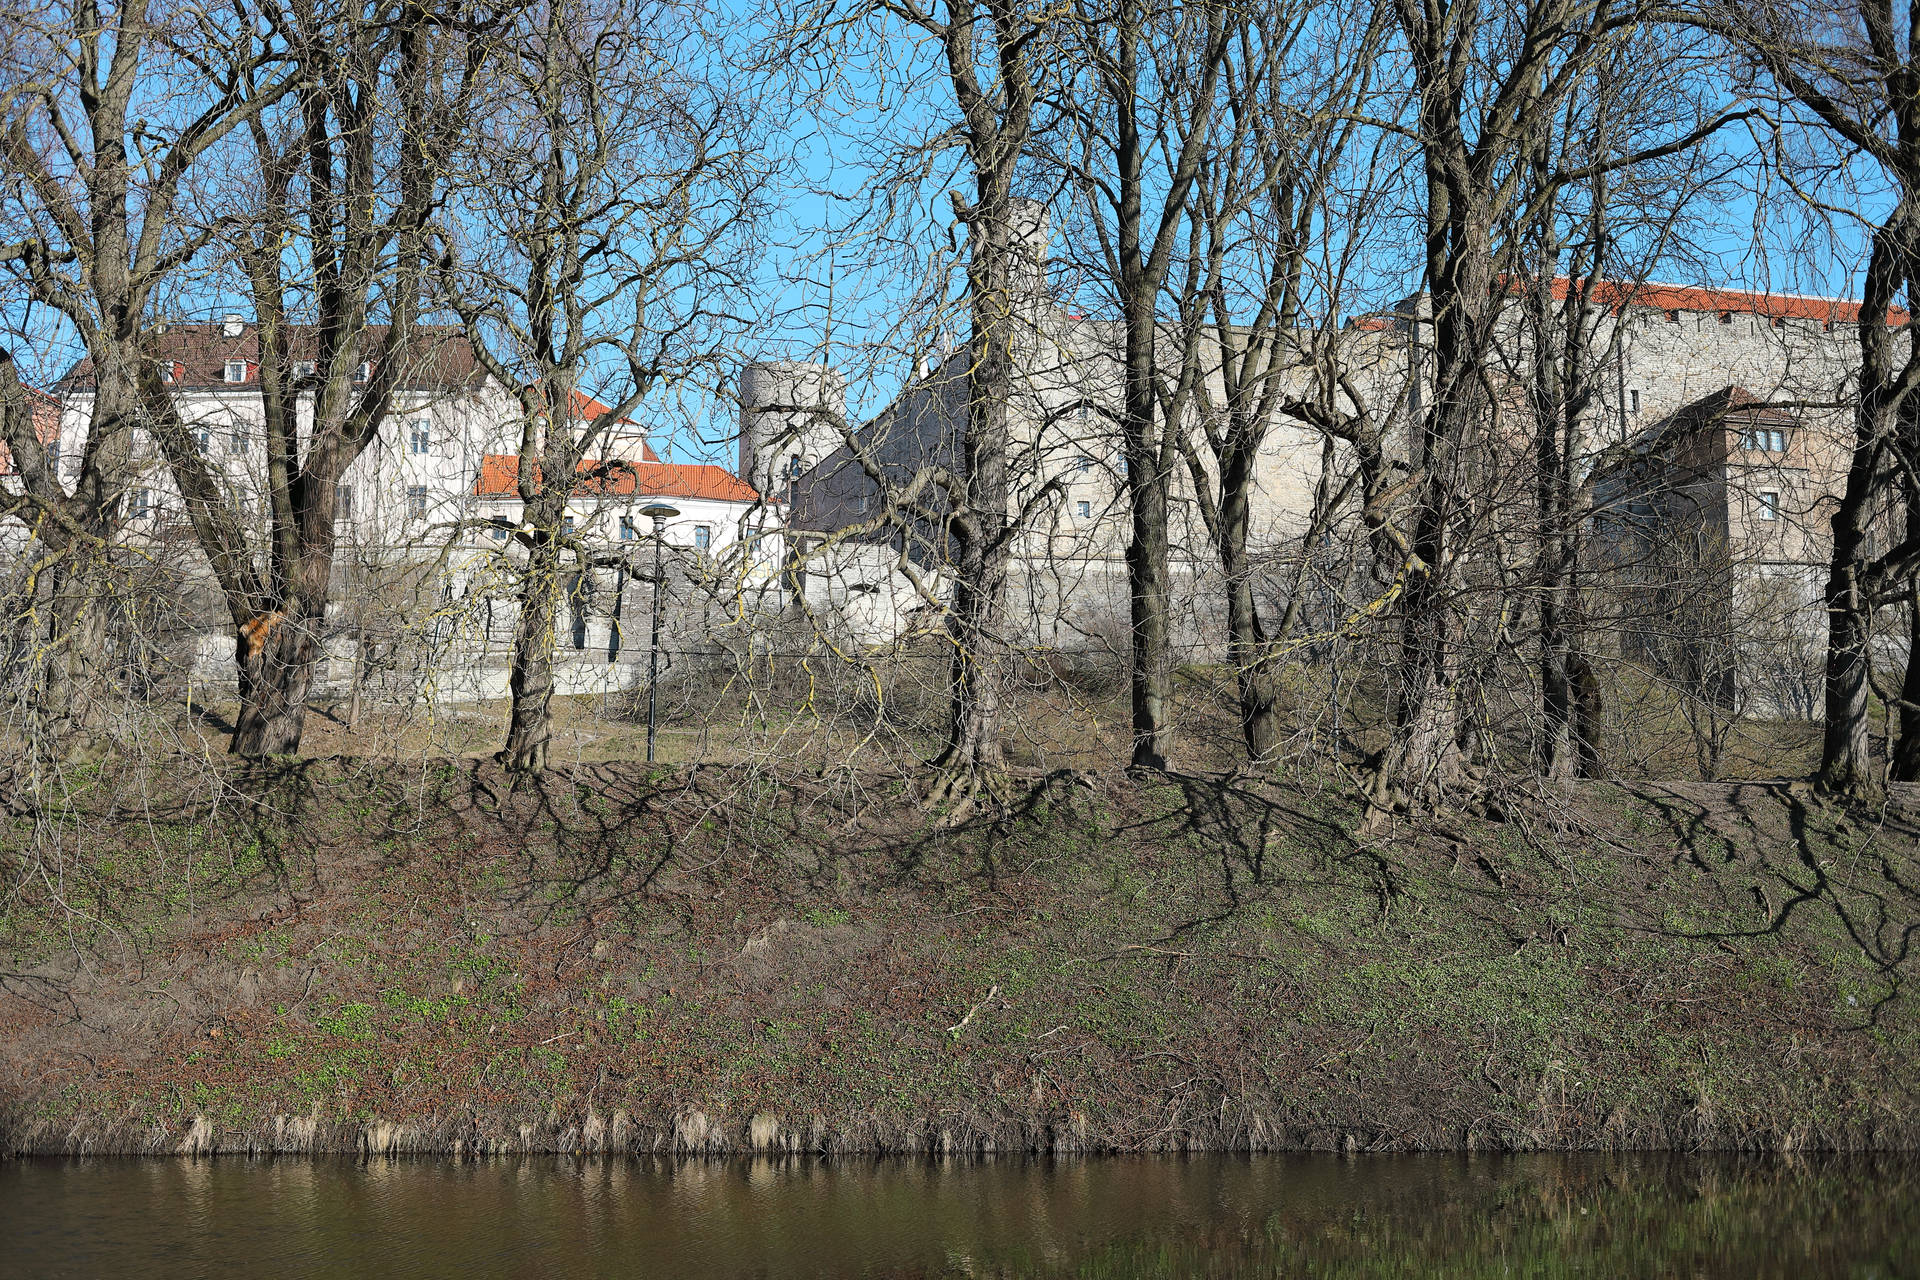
(341, 956)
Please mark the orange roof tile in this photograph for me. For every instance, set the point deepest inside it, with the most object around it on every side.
(499, 478)
(1774, 306)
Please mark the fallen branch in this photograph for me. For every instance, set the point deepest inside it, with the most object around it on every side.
(954, 1030)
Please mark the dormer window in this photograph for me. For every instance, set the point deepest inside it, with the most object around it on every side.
(236, 371)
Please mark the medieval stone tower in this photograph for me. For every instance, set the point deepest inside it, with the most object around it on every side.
(791, 414)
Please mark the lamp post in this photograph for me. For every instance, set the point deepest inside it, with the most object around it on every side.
(659, 513)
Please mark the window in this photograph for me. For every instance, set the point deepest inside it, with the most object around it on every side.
(166, 372)
(1083, 463)
(1633, 400)
(203, 438)
(303, 368)
(419, 436)
(566, 526)
(1673, 317)
(1083, 413)
(416, 502)
(702, 537)
(343, 502)
(364, 372)
(53, 455)
(1769, 504)
(236, 442)
(139, 503)
(236, 371)
(1770, 439)
(627, 532)
(794, 467)
(1726, 317)
(500, 527)
(1083, 509)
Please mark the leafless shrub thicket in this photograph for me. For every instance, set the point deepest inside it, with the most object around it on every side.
(1236, 386)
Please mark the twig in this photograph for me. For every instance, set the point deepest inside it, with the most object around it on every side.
(954, 1030)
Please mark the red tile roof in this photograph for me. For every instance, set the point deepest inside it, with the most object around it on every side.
(499, 478)
(588, 409)
(1678, 297)
(1674, 298)
(440, 357)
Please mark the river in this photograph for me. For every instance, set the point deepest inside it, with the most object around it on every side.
(1545, 1216)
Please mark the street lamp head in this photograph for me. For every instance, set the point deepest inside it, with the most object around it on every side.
(659, 511)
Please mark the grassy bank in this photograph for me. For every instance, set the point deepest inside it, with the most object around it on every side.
(336, 955)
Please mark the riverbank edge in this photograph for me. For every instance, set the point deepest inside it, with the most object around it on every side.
(694, 1135)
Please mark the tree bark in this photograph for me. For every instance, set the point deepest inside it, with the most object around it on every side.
(979, 527)
(1260, 725)
(1846, 746)
(530, 722)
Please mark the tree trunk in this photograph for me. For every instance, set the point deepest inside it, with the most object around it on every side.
(1906, 753)
(1846, 766)
(1150, 600)
(530, 723)
(980, 524)
(1246, 636)
(1422, 761)
(979, 671)
(76, 639)
(1846, 747)
(275, 653)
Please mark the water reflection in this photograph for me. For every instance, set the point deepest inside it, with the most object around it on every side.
(791, 1216)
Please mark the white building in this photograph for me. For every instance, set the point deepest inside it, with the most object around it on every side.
(438, 487)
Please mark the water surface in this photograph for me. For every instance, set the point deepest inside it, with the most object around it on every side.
(1303, 1215)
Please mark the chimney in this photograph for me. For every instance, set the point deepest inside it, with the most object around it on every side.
(233, 326)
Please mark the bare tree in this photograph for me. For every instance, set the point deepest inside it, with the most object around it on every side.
(1488, 82)
(1278, 240)
(603, 223)
(1149, 84)
(989, 59)
(336, 237)
(111, 110)
(1850, 72)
